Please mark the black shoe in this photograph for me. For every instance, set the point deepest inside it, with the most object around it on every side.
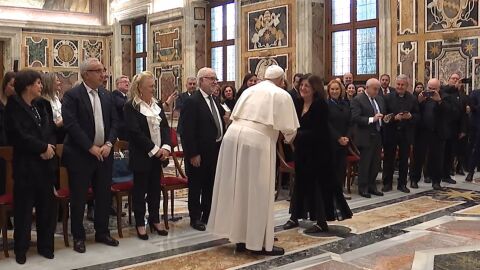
(47, 254)
(437, 186)
(20, 258)
(79, 246)
(90, 214)
(449, 180)
(197, 225)
(290, 224)
(141, 236)
(364, 194)
(161, 232)
(413, 184)
(240, 247)
(317, 228)
(387, 188)
(427, 180)
(276, 251)
(107, 240)
(375, 192)
(403, 189)
(469, 177)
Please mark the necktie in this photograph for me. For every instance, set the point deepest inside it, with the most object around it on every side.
(98, 118)
(375, 111)
(385, 91)
(215, 117)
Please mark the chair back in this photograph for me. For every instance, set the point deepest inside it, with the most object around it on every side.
(62, 174)
(178, 166)
(120, 146)
(6, 153)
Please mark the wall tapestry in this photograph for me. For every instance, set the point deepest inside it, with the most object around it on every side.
(65, 53)
(167, 45)
(36, 51)
(268, 28)
(258, 65)
(451, 14)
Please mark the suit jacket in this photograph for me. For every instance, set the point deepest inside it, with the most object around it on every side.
(78, 119)
(391, 89)
(474, 103)
(362, 110)
(179, 103)
(339, 120)
(119, 101)
(140, 143)
(294, 93)
(29, 140)
(457, 119)
(199, 131)
(395, 104)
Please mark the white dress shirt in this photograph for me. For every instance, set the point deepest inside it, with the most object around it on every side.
(207, 100)
(370, 119)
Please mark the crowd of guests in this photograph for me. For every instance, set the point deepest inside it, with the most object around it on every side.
(430, 130)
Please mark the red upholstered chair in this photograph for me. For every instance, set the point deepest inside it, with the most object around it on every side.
(62, 194)
(283, 167)
(177, 152)
(120, 190)
(172, 183)
(6, 200)
(353, 157)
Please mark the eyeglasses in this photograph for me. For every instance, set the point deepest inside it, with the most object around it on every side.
(97, 70)
(211, 78)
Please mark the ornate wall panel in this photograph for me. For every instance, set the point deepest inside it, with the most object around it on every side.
(407, 16)
(68, 79)
(451, 14)
(127, 56)
(167, 45)
(407, 59)
(200, 46)
(36, 51)
(258, 65)
(268, 28)
(65, 53)
(93, 48)
(445, 57)
(476, 73)
(169, 79)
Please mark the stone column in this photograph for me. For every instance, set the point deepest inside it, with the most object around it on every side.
(384, 38)
(195, 39)
(116, 50)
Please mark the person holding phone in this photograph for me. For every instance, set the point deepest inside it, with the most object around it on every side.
(399, 132)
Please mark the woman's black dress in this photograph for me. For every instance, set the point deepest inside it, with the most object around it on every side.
(316, 193)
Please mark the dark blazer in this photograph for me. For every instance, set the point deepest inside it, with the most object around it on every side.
(179, 103)
(199, 131)
(439, 113)
(474, 103)
(395, 104)
(119, 100)
(339, 119)
(457, 119)
(362, 109)
(294, 94)
(78, 119)
(140, 143)
(29, 140)
(380, 91)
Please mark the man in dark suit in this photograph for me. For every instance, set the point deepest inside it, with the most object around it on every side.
(367, 113)
(203, 129)
(90, 119)
(294, 92)
(430, 135)
(474, 147)
(347, 79)
(120, 98)
(399, 132)
(179, 103)
(385, 88)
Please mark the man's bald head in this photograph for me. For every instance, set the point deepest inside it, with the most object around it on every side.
(433, 85)
(373, 85)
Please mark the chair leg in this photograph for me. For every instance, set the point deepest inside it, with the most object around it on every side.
(349, 178)
(3, 228)
(65, 212)
(118, 198)
(129, 208)
(172, 202)
(165, 207)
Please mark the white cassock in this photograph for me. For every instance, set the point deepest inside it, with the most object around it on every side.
(243, 193)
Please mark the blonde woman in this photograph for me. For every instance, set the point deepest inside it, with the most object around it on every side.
(149, 145)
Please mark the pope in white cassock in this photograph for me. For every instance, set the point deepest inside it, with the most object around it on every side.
(243, 194)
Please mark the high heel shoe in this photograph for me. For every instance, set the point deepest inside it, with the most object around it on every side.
(160, 232)
(141, 236)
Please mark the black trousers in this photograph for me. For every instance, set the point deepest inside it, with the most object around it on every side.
(428, 147)
(147, 183)
(389, 151)
(25, 198)
(100, 178)
(369, 163)
(200, 187)
(449, 155)
(474, 159)
(340, 163)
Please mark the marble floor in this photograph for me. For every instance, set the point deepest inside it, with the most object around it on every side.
(422, 230)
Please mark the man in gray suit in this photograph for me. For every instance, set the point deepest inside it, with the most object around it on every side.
(367, 114)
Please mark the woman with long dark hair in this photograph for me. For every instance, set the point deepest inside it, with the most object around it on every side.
(314, 175)
(228, 96)
(31, 132)
(249, 80)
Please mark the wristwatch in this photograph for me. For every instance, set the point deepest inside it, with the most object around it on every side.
(109, 144)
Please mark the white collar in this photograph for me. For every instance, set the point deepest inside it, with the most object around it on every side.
(205, 95)
(89, 90)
